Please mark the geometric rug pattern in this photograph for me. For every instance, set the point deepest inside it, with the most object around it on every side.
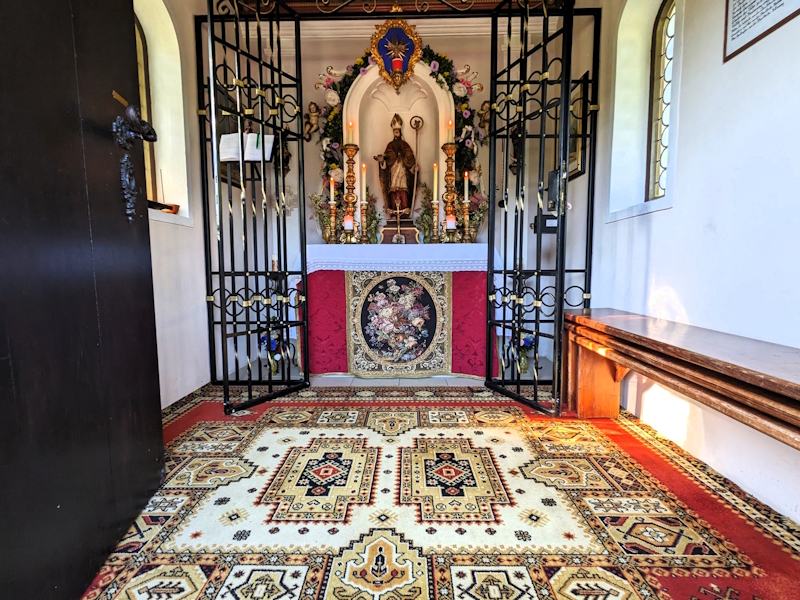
(440, 493)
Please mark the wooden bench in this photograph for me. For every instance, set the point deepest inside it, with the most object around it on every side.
(754, 382)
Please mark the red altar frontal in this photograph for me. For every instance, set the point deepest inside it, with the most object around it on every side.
(397, 311)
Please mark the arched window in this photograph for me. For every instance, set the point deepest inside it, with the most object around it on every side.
(663, 50)
(147, 110)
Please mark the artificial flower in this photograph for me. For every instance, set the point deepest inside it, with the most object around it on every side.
(474, 177)
(468, 142)
(372, 61)
(337, 175)
(349, 69)
(363, 70)
(466, 114)
(434, 66)
(459, 89)
(335, 145)
(360, 62)
(331, 98)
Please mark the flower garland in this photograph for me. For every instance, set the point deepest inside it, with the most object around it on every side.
(468, 135)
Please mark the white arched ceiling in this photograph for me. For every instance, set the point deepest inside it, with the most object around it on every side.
(631, 106)
(168, 115)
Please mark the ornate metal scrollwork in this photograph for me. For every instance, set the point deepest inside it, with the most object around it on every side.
(127, 180)
(127, 129)
(324, 6)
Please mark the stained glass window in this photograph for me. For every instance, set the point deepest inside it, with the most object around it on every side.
(660, 100)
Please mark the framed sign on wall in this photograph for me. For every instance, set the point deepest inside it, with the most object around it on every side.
(748, 21)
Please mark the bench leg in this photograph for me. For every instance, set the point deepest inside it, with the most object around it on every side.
(596, 382)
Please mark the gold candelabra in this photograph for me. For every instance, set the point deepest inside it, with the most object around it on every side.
(449, 235)
(351, 235)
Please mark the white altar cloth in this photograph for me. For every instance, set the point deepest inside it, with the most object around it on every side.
(397, 257)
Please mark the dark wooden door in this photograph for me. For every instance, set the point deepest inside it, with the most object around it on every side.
(80, 432)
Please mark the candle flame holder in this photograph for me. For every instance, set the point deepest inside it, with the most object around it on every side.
(351, 237)
(450, 236)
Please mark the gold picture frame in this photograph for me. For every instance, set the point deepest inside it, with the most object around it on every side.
(396, 78)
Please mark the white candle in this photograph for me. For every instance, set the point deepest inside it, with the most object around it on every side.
(363, 183)
(350, 132)
(466, 186)
(435, 183)
(450, 132)
(333, 196)
(451, 221)
(348, 223)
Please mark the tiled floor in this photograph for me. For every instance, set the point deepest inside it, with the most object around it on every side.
(348, 380)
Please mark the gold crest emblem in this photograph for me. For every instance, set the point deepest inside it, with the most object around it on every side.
(396, 48)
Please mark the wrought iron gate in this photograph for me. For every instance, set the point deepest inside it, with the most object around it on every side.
(255, 249)
(530, 165)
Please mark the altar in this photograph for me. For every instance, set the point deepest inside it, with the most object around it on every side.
(389, 311)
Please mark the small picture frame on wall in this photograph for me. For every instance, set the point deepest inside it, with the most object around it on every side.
(749, 21)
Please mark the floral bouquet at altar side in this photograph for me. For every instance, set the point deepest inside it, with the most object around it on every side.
(398, 321)
(478, 207)
(374, 218)
(425, 219)
(518, 349)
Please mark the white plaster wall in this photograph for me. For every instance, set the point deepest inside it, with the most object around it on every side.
(177, 245)
(724, 256)
(762, 466)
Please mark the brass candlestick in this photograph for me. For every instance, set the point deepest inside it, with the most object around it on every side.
(449, 235)
(467, 238)
(333, 237)
(435, 239)
(364, 236)
(350, 151)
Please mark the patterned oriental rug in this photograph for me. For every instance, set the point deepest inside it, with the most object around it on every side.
(440, 493)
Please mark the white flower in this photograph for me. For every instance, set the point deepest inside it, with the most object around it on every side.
(337, 174)
(326, 143)
(332, 97)
(459, 89)
(474, 177)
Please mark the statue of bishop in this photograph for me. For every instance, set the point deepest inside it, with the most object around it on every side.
(397, 169)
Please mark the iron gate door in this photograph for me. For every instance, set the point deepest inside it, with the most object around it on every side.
(535, 105)
(252, 153)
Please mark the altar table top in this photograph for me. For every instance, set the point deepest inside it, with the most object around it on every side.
(396, 257)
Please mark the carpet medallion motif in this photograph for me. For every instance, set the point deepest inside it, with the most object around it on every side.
(451, 494)
(321, 482)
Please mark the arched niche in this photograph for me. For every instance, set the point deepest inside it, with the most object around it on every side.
(169, 117)
(371, 103)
